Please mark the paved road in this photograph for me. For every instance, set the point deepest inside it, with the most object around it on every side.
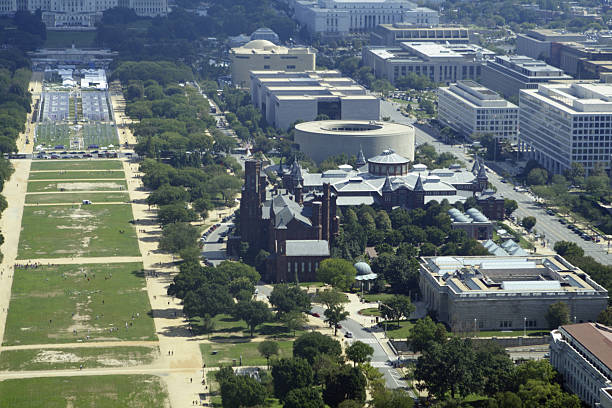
(379, 358)
(547, 225)
(215, 251)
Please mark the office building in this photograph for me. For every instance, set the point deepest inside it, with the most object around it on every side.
(507, 74)
(471, 109)
(563, 124)
(339, 18)
(506, 293)
(388, 180)
(263, 55)
(394, 34)
(322, 139)
(538, 43)
(285, 97)
(440, 63)
(582, 355)
(574, 58)
(67, 14)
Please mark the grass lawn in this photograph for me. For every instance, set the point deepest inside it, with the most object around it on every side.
(77, 230)
(68, 175)
(375, 297)
(105, 391)
(49, 302)
(393, 332)
(100, 164)
(312, 284)
(511, 333)
(228, 328)
(218, 354)
(72, 186)
(65, 39)
(71, 358)
(370, 311)
(58, 198)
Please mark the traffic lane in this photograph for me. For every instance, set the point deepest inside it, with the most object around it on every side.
(212, 250)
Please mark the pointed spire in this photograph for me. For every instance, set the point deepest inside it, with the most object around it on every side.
(475, 167)
(482, 174)
(361, 161)
(419, 184)
(387, 186)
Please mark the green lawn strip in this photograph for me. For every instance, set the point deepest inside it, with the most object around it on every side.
(104, 391)
(511, 333)
(49, 302)
(68, 175)
(57, 198)
(393, 332)
(375, 297)
(76, 165)
(76, 186)
(312, 284)
(217, 354)
(71, 358)
(370, 311)
(57, 231)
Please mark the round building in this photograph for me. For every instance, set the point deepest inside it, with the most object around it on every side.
(322, 139)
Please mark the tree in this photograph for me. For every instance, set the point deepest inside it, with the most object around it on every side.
(528, 223)
(568, 249)
(308, 397)
(400, 272)
(289, 374)
(253, 312)
(426, 332)
(178, 236)
(240, 390)
(557, 315)
(576, 173)
(605, 316)
(207, 324)
(392, 399)
(335, 315)
(344, 383)
(537, 177)
(339, 273)
(448, 368)
(330, 298)
(268, 348)
(397, 307)
(359, 352)
(176, 212)
(313, 344)
(167, 194)
(538, 393)
(509, 206)
(539, 370)
(288, 298)
(294, 320)
(496, 367)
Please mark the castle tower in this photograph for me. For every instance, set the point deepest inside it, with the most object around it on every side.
(482, 179)
(419, 194)
(251, 202)
(325, 216)
(387, 193)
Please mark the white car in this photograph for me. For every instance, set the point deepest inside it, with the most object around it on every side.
(348, 335)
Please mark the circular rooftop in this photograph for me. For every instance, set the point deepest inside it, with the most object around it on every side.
(260, 45)
(388, 157)
(362, 268)
(355, 128)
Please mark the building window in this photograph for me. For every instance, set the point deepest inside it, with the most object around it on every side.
(505, 323)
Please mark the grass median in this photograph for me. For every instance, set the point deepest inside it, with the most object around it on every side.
(98, 164)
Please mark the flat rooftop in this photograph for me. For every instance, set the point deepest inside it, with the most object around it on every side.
(509, 275)
(596, 338)
(575, 98)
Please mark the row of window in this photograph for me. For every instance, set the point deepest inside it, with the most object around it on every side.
(508, 323)
(296, 266)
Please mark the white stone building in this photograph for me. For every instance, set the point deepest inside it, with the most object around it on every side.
(444, 63)
(582, 354)
(263, 55)
(566, 123)
(285, 97)
(341, 17)
(470, 108)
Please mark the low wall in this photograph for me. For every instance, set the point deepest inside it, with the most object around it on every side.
(401, 346)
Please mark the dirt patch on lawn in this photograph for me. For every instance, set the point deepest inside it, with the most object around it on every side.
(85, 186)
(56, 356)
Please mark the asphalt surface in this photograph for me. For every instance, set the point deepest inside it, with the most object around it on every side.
(547, 225)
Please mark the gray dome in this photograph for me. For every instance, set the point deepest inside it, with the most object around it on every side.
(362, 268)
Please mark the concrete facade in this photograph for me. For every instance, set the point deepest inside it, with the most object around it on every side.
(440, 63)
(508, 74)
(394, 34)
(339, 18)
(322, 139)
(505, 293)
(470, 108)
(582, 354)
(263, 55)
(566, 123)
(538, 43)
(285, 97)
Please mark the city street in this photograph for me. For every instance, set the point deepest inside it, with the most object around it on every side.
(547, 225)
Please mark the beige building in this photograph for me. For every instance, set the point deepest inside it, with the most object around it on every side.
(582, 354)
(506, 292)
(263, 55)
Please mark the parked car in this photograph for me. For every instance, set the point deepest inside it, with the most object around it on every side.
(315, 314)
(348, 335)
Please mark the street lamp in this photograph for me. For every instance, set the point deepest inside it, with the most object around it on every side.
(524, 326)
(475, 319)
